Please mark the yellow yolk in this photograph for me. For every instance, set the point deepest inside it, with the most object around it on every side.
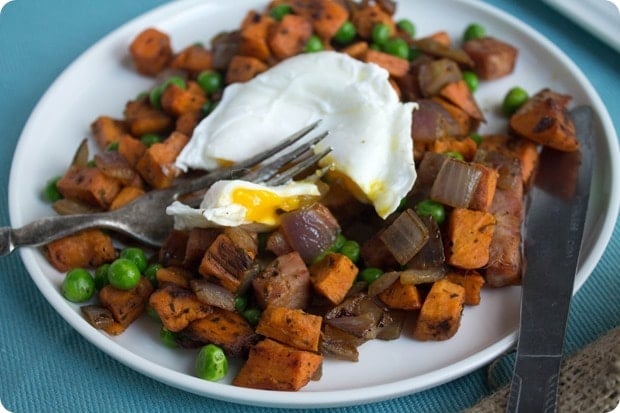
(265, 207)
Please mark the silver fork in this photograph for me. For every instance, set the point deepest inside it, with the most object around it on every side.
(145, 218)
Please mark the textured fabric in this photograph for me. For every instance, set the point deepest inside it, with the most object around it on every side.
(45, 366)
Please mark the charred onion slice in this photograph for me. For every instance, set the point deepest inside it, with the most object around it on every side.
(455, 183)
(359, 315)
(213, 294)
(422, 276)
(97, 316)
(405, 236)
(339, 344)
(382, 283)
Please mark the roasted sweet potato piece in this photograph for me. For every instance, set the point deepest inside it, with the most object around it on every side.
(107, 130)
(126, 305)
(187, 122)
(174, 275)
(472, 281)
(333, 276)
(125, 196)
(150, 51)
(244, 68)
(326, 15)
(131, 149)
(229, 257)
(289, 36)
(194, 58)
(275, 366)
(292, 327)
(224, 328)
(524, 150)
(177, 306)
(469, 235)
(396, 66)
(156, 166)
(465, 146)
(88, 249)
(492, 58)
(466, 123)
(459, 94)
(177, 101)
(143, 118)
(441, 37)
(365, 18)
(440, 315)
(544, 118)
(356, 50)
(485, 190)
(399, 296)
(89, 185)
(255, 31)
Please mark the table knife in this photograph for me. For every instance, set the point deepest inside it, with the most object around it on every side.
(553, 232)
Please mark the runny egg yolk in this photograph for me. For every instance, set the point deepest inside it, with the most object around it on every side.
(265, 207)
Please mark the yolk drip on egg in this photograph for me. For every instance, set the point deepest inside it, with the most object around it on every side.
(265, 207)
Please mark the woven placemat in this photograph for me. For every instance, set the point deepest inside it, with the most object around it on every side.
(589, 380)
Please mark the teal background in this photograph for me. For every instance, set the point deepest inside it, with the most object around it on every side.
(46, 366)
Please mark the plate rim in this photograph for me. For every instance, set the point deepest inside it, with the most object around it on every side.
(313, 399)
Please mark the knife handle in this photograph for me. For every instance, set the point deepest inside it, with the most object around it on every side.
(539, 392)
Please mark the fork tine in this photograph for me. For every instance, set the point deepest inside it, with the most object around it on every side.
(266, 171)
(287, 175)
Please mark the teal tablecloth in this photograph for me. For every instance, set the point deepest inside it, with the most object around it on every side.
(46, 366)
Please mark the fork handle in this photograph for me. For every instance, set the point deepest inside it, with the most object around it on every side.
(46, 230)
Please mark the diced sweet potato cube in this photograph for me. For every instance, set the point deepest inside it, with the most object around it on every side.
(254, 36)
(327, 16)
(472, 281)
(293, 327)
(177, 306)
(187, 122)
(399, 296)
(150, 51)
(87, 249)
(333, 276)
(459, 94)
(126, 305)
(143, 118)
(289, 36)
(356, 50)
(174, 275)
(465, 146)
(275, 366)
(89, 185)
(157, 164)
(442, 37)
(485, 190)
(365, 18)
(177, 101)
(194, 58)
(466, 123)
(223, 328)
(243, 68)
(125, 196)
(440, 315)
(396, 66)
(492, 58)
(469, 235)
(131, 149)
(107, 130)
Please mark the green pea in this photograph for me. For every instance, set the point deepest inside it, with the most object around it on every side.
(210, 81)
(211, 363)
(148, 139)
(513, 100)
(78, 285)
(346, 33)
(136, 255)
(314, 44)
(397, 47)
(252, 315)
(351, 249)
(168, 338)
(381, 32)
(112, 147)
(340, 240)
(123, 274)
(433, 209)
(151, 273)
(207, 108)
(241, 303)
(455, 155)
(101, 276)
(279, 11)
(414, 53)
(176, 80)
(476, 137)
(471, 79)
(474, 31)
(155, 96)
(407, 26)
(51, 192)
(370, 274)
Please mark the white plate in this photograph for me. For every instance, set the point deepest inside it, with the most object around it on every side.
(100, 82)
(600, 17)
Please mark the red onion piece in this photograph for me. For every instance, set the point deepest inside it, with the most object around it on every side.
(213, 294)
(455, 184)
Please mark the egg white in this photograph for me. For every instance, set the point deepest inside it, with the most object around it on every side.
(369, 128)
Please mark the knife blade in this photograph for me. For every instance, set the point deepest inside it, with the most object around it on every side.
(553, 232)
